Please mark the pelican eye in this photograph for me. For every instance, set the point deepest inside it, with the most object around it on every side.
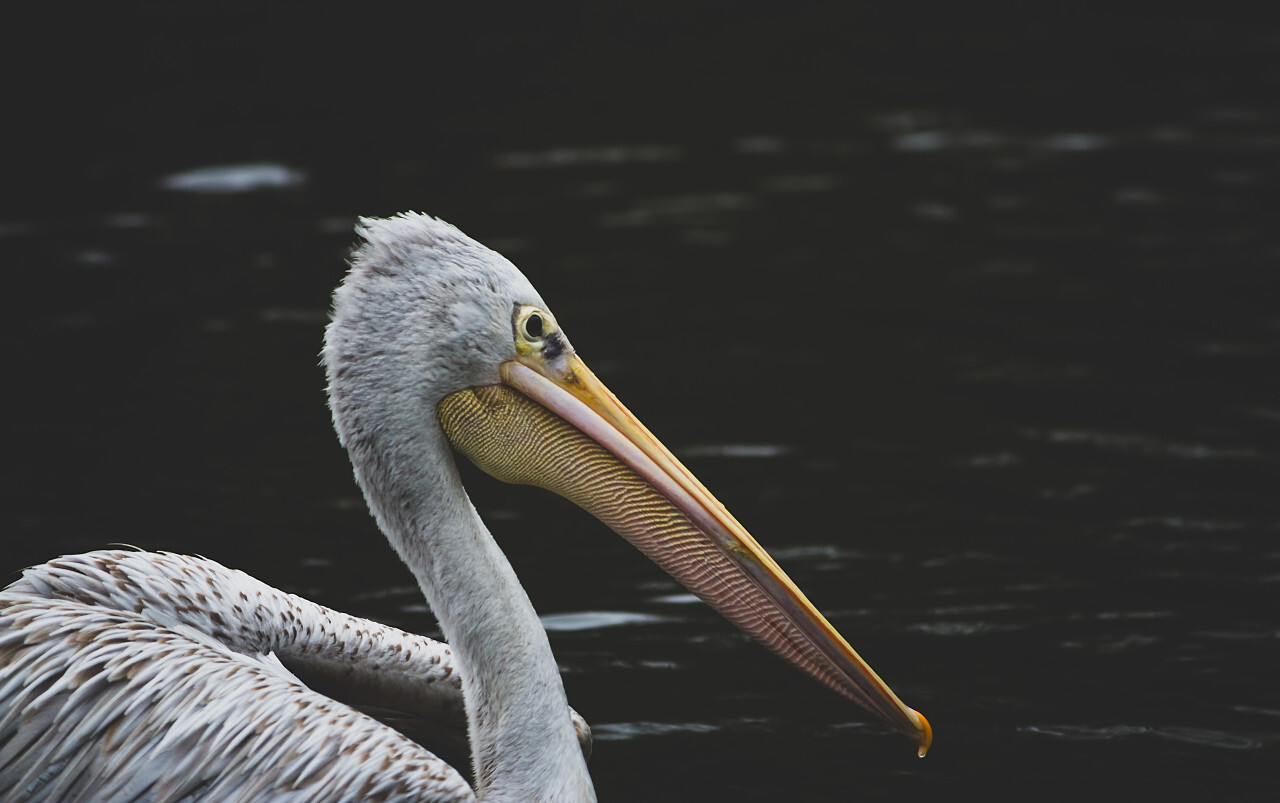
(533, 327)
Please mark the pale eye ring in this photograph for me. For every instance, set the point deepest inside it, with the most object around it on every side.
(533, 327)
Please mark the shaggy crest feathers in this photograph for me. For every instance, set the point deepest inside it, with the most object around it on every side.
(421, 300)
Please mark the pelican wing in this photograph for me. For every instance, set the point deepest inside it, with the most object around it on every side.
(352, 659)
(105, 705)
(116, 659)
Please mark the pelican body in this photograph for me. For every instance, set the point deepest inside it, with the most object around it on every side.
(151, 676)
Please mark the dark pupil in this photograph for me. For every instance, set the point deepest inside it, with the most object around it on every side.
(533, 327)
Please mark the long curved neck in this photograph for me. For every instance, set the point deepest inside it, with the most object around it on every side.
(522, 737)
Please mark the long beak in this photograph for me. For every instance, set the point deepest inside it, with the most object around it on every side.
(624, 476)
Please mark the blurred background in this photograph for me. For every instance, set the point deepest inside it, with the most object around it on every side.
(967, 311)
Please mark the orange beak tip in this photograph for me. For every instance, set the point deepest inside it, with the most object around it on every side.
(925, 737)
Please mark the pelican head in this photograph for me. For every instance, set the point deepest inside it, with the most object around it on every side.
(433, 325)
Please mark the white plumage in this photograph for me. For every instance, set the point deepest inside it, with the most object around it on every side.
(142, 676)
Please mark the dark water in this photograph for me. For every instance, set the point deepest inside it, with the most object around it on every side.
(971, 318)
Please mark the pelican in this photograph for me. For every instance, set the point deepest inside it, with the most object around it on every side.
(129, 675)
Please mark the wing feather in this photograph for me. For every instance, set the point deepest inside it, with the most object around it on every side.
(111, 690)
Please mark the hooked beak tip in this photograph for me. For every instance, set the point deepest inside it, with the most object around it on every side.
(924, 737)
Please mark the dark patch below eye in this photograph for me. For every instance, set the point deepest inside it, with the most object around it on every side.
(554, 346)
